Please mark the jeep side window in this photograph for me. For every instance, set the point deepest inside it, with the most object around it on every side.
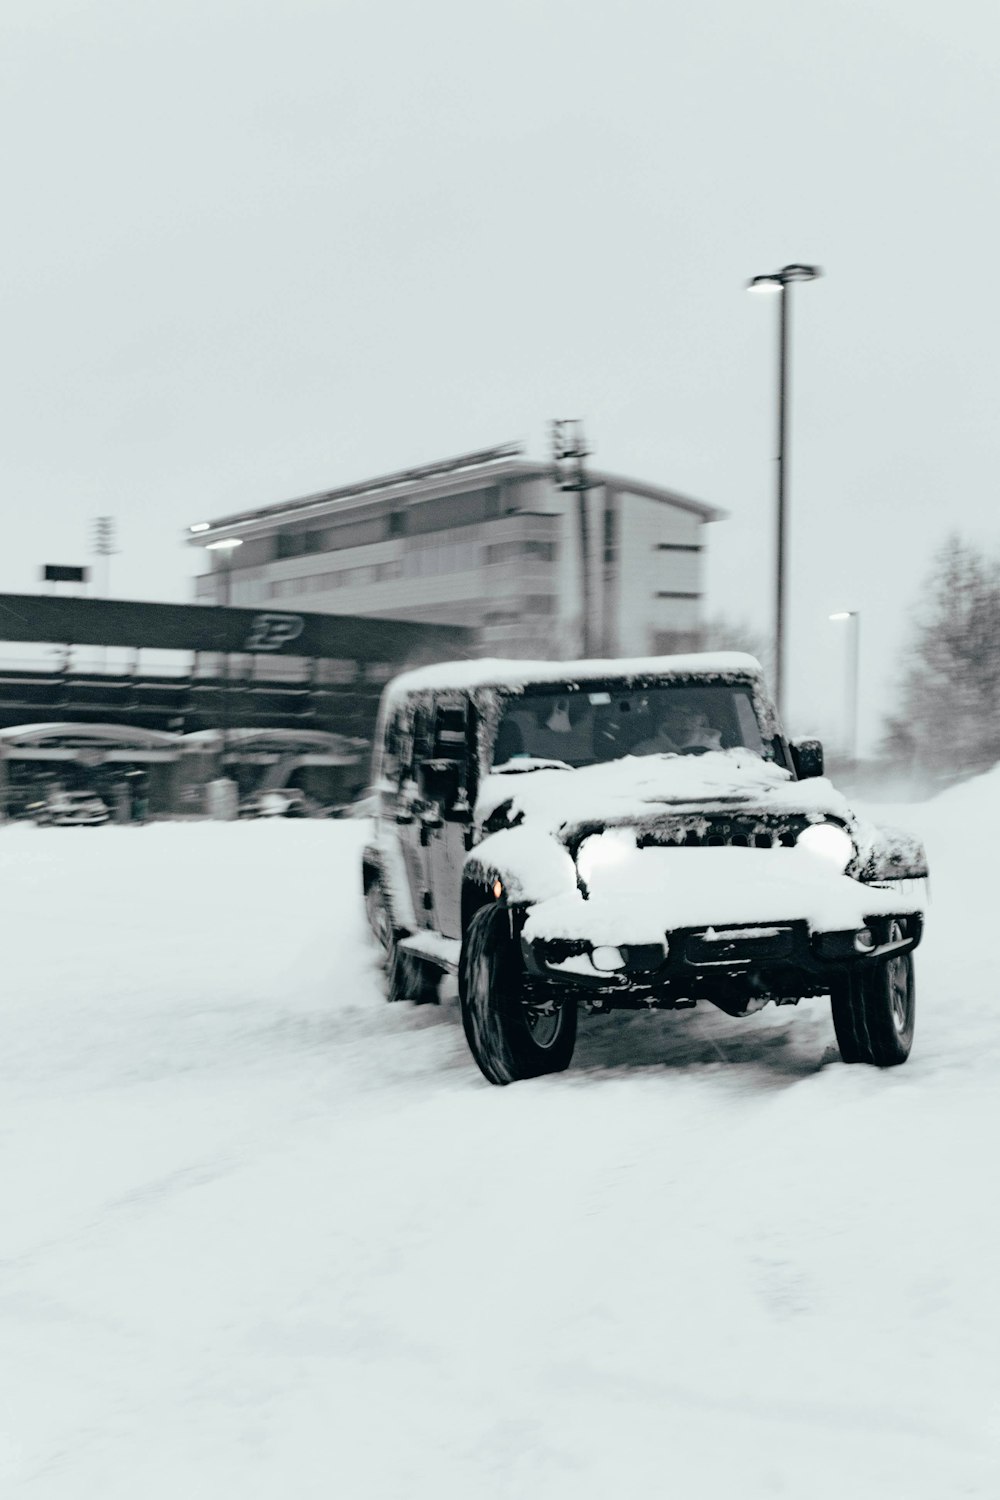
(443, 771)
(449, 732)
(396, 747)
(749, 728)
(420, 744)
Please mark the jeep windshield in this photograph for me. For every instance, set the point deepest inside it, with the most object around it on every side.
(584, 726)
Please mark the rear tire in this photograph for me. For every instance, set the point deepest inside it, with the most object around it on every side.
(874, 1012)
(380, 922)
(411, 978)
(508, 1039)
(406, 976)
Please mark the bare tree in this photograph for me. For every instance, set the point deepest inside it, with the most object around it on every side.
(949, 720)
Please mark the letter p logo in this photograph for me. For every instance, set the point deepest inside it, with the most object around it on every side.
(269, 632)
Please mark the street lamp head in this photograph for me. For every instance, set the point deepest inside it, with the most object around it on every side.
(776, 281)
(201, 526)
(845, 614)
(224, 544)
(766, 284)
(800, 273)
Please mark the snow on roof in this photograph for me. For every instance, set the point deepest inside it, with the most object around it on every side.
(461, 676)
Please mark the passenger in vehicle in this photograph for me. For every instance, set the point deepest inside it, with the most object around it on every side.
(552, 729)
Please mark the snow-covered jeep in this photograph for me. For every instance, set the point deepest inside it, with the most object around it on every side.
(606, 834)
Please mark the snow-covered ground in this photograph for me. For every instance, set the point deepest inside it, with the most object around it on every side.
(264, 1235)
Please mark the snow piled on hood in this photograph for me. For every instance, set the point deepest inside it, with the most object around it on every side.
(641, 787)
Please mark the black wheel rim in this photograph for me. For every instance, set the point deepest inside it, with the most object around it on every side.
(544, 1026)
(897, 978)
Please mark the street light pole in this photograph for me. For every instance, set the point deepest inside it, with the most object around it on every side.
(855, 674)
(226, 546)
(781, 283)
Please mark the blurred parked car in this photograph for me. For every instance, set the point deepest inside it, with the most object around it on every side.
(278, 802)
(72, 810)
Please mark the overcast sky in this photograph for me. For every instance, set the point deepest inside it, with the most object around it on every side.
(255, 250)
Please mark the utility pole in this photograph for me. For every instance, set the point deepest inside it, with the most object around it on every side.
(225, 803)
(103, 545)
(854, 678)
(569, 451)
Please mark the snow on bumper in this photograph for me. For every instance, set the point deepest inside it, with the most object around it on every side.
(648, 893)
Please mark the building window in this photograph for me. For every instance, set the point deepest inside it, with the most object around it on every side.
(287, 588)
(678, 547)
(499, 552)
(675, 594)
(346, 578)
(291, 543)
(444, 556)
(610, 535)
(453, 510)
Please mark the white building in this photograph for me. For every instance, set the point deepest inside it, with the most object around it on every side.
(488, 540)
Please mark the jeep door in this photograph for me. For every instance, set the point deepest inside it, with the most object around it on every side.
(411, 744)
(446, 785)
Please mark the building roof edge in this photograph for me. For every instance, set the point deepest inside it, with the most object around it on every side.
(501, 464)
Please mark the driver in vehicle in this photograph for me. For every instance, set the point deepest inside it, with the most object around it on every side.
(681, 728)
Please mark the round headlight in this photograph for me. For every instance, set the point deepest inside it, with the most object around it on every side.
(602, 853)
(829, 842)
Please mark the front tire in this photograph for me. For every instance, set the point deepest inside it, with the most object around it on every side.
(508, 1039)
(874, 1012)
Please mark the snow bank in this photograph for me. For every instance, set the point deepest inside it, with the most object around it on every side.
(264, 1234)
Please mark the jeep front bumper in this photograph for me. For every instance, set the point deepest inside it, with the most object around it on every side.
(773, 959)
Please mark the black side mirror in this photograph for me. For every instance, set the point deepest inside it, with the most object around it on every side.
(807, 758)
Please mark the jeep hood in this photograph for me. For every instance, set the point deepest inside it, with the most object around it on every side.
(642, 789)
(532, 821)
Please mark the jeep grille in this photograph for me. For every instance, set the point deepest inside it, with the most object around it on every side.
(700, 831)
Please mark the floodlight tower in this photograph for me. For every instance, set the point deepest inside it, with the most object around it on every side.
(103, 545)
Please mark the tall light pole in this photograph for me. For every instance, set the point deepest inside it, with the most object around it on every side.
(855, 615)
(226, 546)
(781, 282)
